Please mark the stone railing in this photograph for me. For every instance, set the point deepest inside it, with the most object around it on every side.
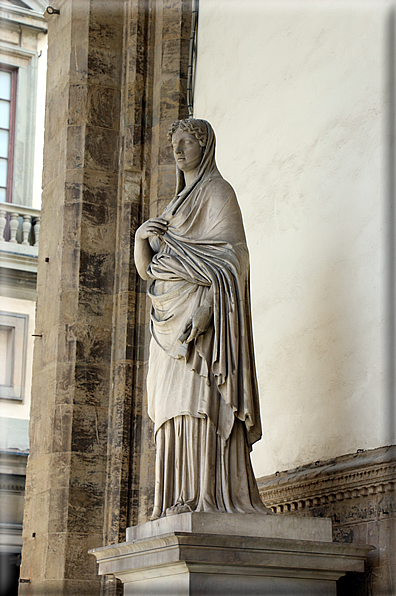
(19, 229)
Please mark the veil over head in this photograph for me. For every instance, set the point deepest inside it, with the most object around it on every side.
(207, 167)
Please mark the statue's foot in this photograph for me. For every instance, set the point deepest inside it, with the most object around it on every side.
(176, 509)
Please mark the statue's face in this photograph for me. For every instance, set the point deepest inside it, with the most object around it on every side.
(186, 150)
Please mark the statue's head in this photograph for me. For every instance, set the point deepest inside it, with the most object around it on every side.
(188, 139)
(196, 128)
(193, 142)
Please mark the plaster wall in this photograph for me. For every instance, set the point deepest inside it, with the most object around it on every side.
(296, 92)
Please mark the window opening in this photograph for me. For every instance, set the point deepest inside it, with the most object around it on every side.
(8, 79)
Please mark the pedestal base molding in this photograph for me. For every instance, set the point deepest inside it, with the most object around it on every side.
(165, 557)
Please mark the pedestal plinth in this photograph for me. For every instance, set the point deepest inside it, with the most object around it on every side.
(197, 554)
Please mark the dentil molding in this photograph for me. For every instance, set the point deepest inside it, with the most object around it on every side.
(352, 476)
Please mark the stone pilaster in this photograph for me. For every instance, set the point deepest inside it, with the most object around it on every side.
(154, 87)
(171, 47)
(169, 44)
(117, 74)
(65, 493)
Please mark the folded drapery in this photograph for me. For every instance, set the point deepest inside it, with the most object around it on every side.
(202, 257)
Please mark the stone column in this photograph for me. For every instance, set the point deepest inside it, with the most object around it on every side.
(154, 84)
(117, 77)
(66, 474)
(170, 27)
(154, 88)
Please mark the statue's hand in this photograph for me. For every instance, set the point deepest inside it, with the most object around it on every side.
(156, 226)
(197, 323)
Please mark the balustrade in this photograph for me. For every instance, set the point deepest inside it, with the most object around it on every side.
(19, 225)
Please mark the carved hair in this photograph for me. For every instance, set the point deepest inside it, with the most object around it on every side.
(195, 127)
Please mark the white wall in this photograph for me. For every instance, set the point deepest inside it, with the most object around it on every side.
(295, 91)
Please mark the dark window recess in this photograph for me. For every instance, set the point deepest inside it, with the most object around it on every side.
(8, 85)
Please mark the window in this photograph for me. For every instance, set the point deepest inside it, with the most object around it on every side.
(13, 338)
(8, 79)
(6, 355)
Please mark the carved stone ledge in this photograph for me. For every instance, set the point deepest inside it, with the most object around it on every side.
(348, 477)
(10, 486)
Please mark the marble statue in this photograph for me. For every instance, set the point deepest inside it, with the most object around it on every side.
(201, 384)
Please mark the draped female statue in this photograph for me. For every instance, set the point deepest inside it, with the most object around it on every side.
(201, 384)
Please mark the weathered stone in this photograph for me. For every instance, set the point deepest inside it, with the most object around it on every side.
(87, 478)
(78, 65)
(77, 105)
(34, 550)
(104, 107)
(173, 27)
(103, 66)
(101, 149)
(56, 554)
(59, 510)
(61, 421)
(78, 248)
(91, 383)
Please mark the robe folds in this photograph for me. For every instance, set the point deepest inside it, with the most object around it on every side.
(203, 396)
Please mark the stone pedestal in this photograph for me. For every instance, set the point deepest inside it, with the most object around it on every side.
(213, 554)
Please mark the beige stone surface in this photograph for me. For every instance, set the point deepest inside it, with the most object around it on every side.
(65, 495)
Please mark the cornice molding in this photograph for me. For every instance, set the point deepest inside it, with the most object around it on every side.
(10, 486)
(12, 15)
(13, 463)
(347, 477)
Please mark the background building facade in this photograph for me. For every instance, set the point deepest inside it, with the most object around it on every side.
(22, 99)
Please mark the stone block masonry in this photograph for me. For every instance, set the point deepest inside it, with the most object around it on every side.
(116, 78)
